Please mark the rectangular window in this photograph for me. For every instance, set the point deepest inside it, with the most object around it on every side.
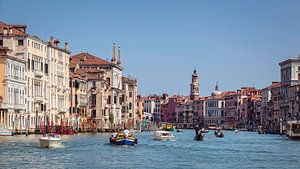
(1, 42)
(115, 99)
(20, 42)
(108, 100)
(28, 64)
(46, 68)
(32, 64)
(42, 66)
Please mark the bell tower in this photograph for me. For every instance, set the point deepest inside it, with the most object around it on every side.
(194, 95)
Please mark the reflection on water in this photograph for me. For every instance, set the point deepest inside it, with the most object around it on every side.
(246, 150)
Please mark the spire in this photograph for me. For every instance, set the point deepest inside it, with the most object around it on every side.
(217, 87)
(119, 56)
(113, 59)
(195, 72)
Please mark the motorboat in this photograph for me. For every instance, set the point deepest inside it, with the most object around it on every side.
(169, 127)
(199, 136)
(218, 133)
(163, 136)
(293, 129)
(236, 131)
(123, 138)
(50, 140)
(5, 132)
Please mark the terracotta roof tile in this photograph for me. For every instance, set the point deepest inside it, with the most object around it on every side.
(87, 59)
(14, 29)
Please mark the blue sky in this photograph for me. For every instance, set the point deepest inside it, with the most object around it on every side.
(236, 42)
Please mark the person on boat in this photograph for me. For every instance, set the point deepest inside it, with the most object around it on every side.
(126, 133)
(197, 129)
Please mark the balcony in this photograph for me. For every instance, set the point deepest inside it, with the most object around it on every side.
(38, 73)
(38, 99)
(83, 103)
(3, 105)
(63, 110)
(19, 107)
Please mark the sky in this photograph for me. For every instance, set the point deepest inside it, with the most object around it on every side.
(235, 42)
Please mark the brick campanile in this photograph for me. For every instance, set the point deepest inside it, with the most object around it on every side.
(194, 95)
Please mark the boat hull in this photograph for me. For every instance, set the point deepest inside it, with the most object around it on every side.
(125, 141)
(164, 138)
(48, 143)
(199, 137)
(219, 134)
(4, 132)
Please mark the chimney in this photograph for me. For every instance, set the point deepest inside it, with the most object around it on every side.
(52, 40)
(66, 46)
(113, 59)
(56, 42)
(3, 51)
(119, 56)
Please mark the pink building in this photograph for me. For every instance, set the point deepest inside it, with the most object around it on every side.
(168, 110)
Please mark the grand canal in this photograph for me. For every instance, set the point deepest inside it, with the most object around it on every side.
(246, 150)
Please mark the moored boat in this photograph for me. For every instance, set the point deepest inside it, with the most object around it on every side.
(293, 129)
(50, 140)
(5, 132)
(123, 138)
(163, 136)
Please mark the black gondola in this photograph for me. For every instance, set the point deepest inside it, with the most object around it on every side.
(219, 134)
(199, 137)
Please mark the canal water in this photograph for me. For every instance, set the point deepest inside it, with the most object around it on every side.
(244, 150)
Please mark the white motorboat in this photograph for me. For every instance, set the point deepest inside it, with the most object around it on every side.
(163, 136)
(293, 129)
(5, 132)
(50, 140)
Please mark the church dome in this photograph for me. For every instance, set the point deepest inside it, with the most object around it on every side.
(216, 92)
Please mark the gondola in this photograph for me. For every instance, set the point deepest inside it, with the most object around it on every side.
(219, 134)
(199, 137)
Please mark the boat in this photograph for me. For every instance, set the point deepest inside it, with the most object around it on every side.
(218, 133)
(50, 140)
(163, 136)
(179, 130)
(236, 131)
(168, 127)
(293, 129)
(203, 130)
(199, 136)
(5, 132)
(123, 138)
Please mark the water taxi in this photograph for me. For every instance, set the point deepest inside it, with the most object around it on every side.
(50, 140)
(293, 129)
(5, 132)
(163, 136)
(123, 138)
